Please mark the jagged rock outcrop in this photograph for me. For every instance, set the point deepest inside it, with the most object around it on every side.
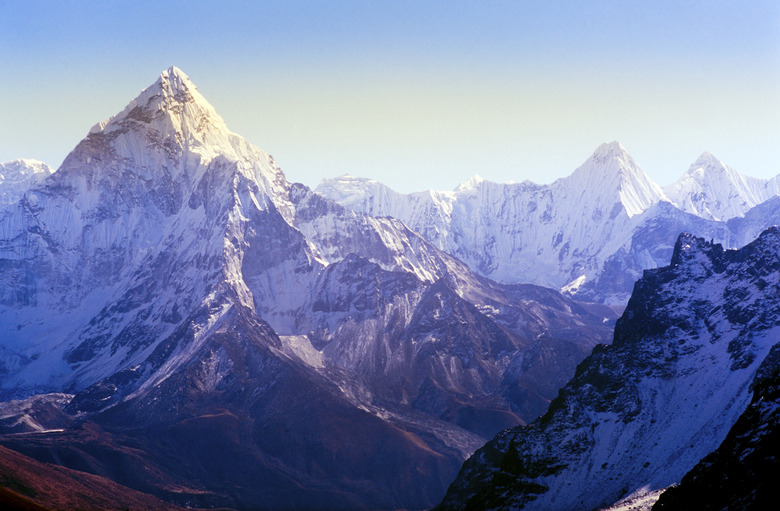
(639, 414)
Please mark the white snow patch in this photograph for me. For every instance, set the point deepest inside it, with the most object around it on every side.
(299, 347)
(640, 500)
(572, 287)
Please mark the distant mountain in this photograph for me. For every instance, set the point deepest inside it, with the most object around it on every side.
(589, 235)
(233, 339)
(18, 176)
(715, 191)
(696, 340)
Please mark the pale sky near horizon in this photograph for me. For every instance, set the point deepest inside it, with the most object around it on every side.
(414, 94)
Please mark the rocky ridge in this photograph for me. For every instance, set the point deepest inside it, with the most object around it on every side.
(639, 414)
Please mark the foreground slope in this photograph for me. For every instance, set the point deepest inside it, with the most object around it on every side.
(232, 339)
(742, 472)
(27, 484)
(237, 424)
(640, 413)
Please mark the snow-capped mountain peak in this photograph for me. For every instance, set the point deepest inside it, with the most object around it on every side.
(18, 176)
(170, 134)
(715, 191)
(609, 149)
(347, 189)
(613, 174)
(469, 184)
(171, 112)
(708, 168)
(524, 231)
(706, 160)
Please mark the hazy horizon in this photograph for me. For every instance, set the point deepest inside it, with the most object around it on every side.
(415, 96)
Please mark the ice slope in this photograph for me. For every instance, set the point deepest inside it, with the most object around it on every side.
(716, 191)
(642, 412)
(18, 176)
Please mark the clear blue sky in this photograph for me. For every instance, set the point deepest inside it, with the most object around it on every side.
(415, 94)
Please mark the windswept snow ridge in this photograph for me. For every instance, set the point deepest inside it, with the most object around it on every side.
(715, 191)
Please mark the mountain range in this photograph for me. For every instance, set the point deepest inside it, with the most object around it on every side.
(588, 235)
(179, 318)
(214, 325)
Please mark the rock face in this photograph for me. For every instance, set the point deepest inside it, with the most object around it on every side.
(233, 339)
(639, 414)
(589, 235)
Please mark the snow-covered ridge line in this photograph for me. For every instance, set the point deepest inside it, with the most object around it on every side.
(589, 234)
(710, 189)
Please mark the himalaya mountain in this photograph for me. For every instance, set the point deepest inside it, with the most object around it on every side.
(697, 339)
(589, 235)
(218, 336)
(715, 191)
(16, 177)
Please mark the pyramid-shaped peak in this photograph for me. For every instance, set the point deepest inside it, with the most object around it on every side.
(707, 161)
(172, 95)
(471, 183)
(611, 159)
(174, 71)
(707, 156)
(611, 175)
(613, 148)
(173, 80)
(173, 86)
(169, 132)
